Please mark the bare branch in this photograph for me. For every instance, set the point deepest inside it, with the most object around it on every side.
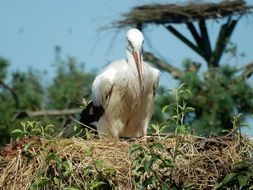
(226, 31)
(205, 39)
(247, 71)
(186, 41)
(162, 65)
(12, 91)
(194, 33)
(51, 113)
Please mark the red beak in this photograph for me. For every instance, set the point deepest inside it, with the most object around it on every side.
(138, 62)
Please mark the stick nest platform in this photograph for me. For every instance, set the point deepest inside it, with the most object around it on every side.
(113, 164)
(182, 13)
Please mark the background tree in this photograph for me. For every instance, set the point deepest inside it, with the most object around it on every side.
(24, 93)
(9, 102)
(69, 87)
(70, 84)
(222, 90)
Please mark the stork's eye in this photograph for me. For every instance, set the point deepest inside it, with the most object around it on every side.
(130, 44)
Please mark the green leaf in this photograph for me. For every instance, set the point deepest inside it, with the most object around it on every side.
(186, 142)
(244, 124)
(227, 179)
(58, 181)
(147, 182)
(36, 132)
(136, 162)
(89, 152)
(167, 163)
(189, 109)
(140, 170)
(159, 146)
(164, 127)
(188, 91)
(242, 179)
(181, 86)
(225, 131)
(17, 133)
(181, 107)
(189, 185)
(75, 128)
(179, 152)
(49, 129)
(110, 171)
(165, 187)
(95, 184)
(99, 165)
(29, 145)
(87, 170)
(181, 129)
(134, 148)
(55, 157)
(240, 164)
(71, 188)
(174, 117)
(148, 164)
(51, 142)
(155, 127)
(165, 108)
(68, 167)
(40, 182)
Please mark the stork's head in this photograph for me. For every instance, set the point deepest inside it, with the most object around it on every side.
(135, 41)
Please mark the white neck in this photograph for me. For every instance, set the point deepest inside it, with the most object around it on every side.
(130, 59)
(131, 64)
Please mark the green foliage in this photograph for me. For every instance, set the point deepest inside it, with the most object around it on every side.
(216, 97)
(33, 128)
(62, 173)
(175, 113)
(7, 105)
(154, 164)
(232, 51)
(241, 178)
(22, 91)
(70, 85)
(150, 167)
(3, 68)
(218, 93)
(29, 91)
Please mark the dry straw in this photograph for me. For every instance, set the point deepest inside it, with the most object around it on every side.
(181, 13)
(202, 160)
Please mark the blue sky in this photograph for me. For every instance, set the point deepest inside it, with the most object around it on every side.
(31, 29)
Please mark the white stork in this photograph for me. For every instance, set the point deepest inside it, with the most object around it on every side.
(123, 93)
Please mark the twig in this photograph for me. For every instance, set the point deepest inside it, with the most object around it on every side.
(42, 113)
(12, 91)
(247, 71)
(175, 72)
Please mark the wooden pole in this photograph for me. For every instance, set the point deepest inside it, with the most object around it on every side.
(186, 41)
(224, 35)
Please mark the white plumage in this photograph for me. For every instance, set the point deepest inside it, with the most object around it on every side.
(124, 91)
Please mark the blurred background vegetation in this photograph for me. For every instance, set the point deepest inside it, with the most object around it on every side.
(216, 97)
(218, 93)
(28, 90)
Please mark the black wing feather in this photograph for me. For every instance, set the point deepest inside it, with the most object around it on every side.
(91, 114)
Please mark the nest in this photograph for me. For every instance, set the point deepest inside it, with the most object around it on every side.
(176, 13)
(202, 161)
